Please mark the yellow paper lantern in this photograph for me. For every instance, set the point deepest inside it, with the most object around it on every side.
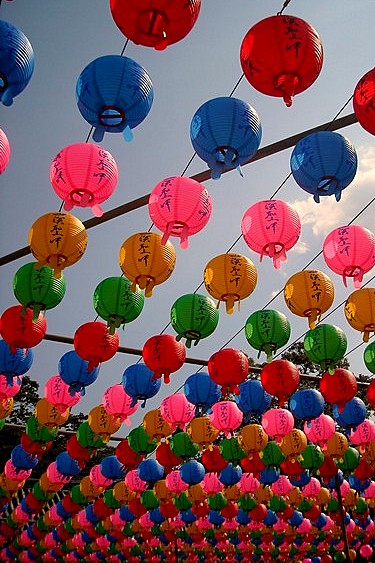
(48, 415)
(47, 486)
(155, 425)
(336, 445)
(263, 494)
(122, 493)
(324, 496)
(295, 497)
(202, 432)
(162, 492)
(360, 311)
(351, 498)
(230, 277)
(252, 438)
(196, 494)
(102, 423)
(293, 444)
(232, 493)
(6, 406)
(369, 452)
(309, 293)
(145, 261)
(88, 489)
(57, 240)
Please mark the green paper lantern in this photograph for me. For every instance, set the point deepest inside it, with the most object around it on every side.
(37, 432)
(333, 505)
(277, 503)
(311, 457)
(194, 316)
(247, 503)
(149, 500)
(116, 303)
(2, 423)
(271, 455)
(99, 527)
(325, 345)
(127, 530)
(109, 499)
(267, 330)
(182, 502)
(217, 501)
(37, 289)
(350, 460)
(231, 450)
(369, 357)
(77, 497)
(304, 506)
(140, 441)
(361, 506)
(87, 438)
(182, 446)
(39, 493)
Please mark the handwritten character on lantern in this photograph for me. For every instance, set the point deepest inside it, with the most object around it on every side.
(57, 227)
(206, 205)
(143, 249)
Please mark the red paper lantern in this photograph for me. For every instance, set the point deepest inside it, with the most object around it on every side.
(280, 378)
(228, 367)
(128, 457)
(166, 457)
(363, 101)
(19, 330)
(281, 56)
(93, 343)
(213, 460)
(163, 355)
(339, 387)
(370, 394)
(155, 23)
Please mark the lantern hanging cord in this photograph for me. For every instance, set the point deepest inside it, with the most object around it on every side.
(286, 3)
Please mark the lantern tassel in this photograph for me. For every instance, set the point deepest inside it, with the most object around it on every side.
(229, 304)
(127, 134)
(7, 98)
(98, 134)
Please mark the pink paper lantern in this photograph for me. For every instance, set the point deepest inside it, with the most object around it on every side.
(211, 483)
(248, 483)
(56, 391)
(13, 472)
(84, 175)
(282, 486)
(54, 476)
(366, 551)
(9, 389)
(277, 423)
(350, 252)
(304, 527)
(179, 207)
(146, 521)
(118, 403)
(319, 430)
(312, 488)
(363, 433)
(98, 479)
(22, 516)
(4, 151)
(270, 228)
(175, 483)
(134, 482)
(177, 411)
(226, 417)
(82, 519)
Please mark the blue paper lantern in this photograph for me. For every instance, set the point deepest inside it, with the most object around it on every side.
(90, 514)
(25, 507)
(271, 518)
(187, 516)
(192, 472)
(269, 475)
(320, 521)
(74, 371)
(139, 384)
(22, 459)
(125, 514)
(14, 364)
(111, 468)
(353, 413)
(64, 514)
(300, 480)
(252, 399)
(225, 132)
(324, 163)
(66, 465)
(230, 475)
(358, 485)
(306, 404)
(201, 390)
(215, 518)
(150, 470)
(296, 519)
(156, 516)
(16, 62)
(242, 517)
(114, 94)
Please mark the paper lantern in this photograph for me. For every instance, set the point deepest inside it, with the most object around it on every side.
(179, 207)
(270, 228)
(74, 371)
(309, 293)
(225, 132)
(351, 414)
(359, 311)
(226, 417)
(202, 431)
(17, 363)
(118, 403)
(57, 240)
(277, 422)
(49, 415)
(9, 386)
(116, 303)
(38, 289)
(306, 404)
(280, 378)
(339, 387)
(252, 438)
(293, 444)
(324, 163)
(201, 390)
(177, 411)
(350, 252)
(84, 175)
(57, 393)
(114, 94)
(4, 151)
(112, 468)
(325, 345)
(194, 316)
(155, 24)
(145, 261)
(16, 62)
(156, 426)
(267, 331)
(228, 367)
(141, 442)
(138, 382)
(163, 355)
(281, 56)
(19, 330)
(252, 399)
(363, 101)
(229, 278)
(320, 429)
(102, 423)
(66, 465)
(93, 343)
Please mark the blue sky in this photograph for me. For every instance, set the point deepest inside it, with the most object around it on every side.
(44, 118)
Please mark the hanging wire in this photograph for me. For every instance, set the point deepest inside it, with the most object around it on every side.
(286, 3)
